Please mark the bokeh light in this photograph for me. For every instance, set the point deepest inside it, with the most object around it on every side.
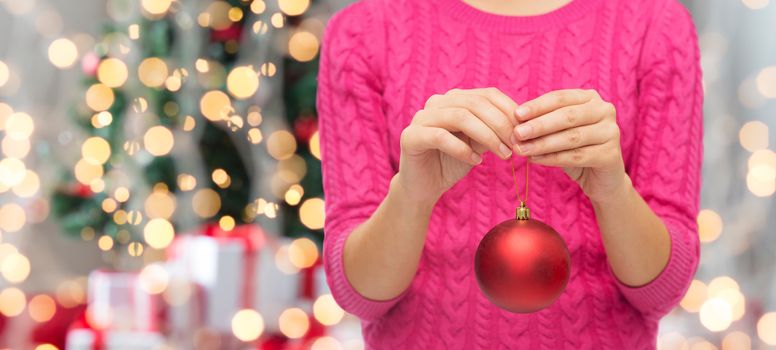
(99, 97)
(12, 171)
(156, 7)
(754, 136)
(294, 323)
(112, 72)
(5, 73)
(41, 308)
(695, 296)
(294, 194)
(46, 346)
(158, 140)
(247, 325)
(293, 7)
(12, 217)
(29, 186)
(158, 233)
(19, 126)
(160, 204)
(215, 105)
(312, 213)
(281, 144)
(755, 4)
(186, 182)
(15, 268)
(766, 328)
(86, 172)
(15, 148)
(766, 82)
(242, 82)
(153, 279)
(709, 225)
(327, 311)
(303, 253)
(217, 14)
(737, 340)
(326, 343)
(716, 314)
(12, 302)
(315, 145)
(105, 243)
(62, 53)
(206, 203)
(152, 72)
(70, 293)
(303, 46)
(95, 150)
(226, 223)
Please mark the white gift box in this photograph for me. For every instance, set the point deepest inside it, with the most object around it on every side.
(83, 339)
(116, 302)
(223, 270)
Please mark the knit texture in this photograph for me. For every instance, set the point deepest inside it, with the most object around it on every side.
(382, 59)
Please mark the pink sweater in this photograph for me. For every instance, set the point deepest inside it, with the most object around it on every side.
(381, 60)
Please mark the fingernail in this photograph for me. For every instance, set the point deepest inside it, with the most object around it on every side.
(505, 152)
(524, 148)
(476, 158)
(522, 111)
(524, 131)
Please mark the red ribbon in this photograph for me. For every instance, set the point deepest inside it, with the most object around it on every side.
(82, 322)
(307, 291)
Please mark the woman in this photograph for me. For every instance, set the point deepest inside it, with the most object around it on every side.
(424, 104)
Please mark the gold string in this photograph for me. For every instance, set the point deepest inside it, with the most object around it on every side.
(517, 186)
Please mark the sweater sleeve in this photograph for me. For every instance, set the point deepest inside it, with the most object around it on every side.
(354, 145)
(667, 161)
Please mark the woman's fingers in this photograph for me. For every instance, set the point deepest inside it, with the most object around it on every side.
(464, 121)
(497, 98)
(557, 120)
(553, 100)
(480, 106)
(587, 156)
(586, 135)
(418, 139)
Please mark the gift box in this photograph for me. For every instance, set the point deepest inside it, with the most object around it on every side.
(89, 339)
(119, 315)
(117, 302)
(230, 271)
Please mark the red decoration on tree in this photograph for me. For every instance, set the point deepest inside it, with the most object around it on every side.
(232, 32)
(304, 127)
(89, 64)
(78, 190)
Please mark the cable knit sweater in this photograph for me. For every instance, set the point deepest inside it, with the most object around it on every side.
(381, 60)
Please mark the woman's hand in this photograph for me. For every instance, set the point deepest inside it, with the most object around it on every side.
(576, 130)
(448, 136)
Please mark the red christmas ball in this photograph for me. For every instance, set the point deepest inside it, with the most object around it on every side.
(522, 265)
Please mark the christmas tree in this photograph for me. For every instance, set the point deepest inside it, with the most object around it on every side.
(174, 114)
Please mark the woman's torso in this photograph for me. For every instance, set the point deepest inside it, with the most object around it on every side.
(430, 50)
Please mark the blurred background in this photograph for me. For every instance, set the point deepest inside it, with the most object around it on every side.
(160, 178)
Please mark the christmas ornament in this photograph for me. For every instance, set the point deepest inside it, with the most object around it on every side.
(522, 264)
(89, 64)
